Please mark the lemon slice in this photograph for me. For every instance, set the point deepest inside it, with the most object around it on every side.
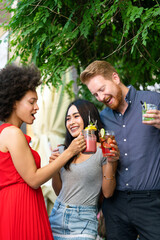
(145, 105)
(102, 132)
(91, 127)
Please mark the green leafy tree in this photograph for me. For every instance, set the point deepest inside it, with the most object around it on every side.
(57, 34)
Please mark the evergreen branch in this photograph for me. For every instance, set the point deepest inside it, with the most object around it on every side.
(146, 59)
(117, 49)
(72, 45)
(157, 2)
(145, 49)
(34, 8)
(61, 15)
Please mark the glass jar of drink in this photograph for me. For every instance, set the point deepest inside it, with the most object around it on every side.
(91, 141)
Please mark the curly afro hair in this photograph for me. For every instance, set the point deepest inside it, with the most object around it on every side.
(15, 82)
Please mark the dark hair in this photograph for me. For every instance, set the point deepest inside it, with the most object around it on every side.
(85, 109)
(15, 82)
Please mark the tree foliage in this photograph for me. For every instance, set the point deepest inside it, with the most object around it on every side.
(57, 34)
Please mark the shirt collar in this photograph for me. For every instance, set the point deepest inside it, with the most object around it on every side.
(130, 95)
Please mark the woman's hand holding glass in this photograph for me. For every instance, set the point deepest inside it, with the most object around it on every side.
(54, 155)
(77, 145)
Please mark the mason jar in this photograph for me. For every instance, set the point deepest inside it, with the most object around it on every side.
(91, 141)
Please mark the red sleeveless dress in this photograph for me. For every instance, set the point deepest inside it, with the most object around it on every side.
(23, 214)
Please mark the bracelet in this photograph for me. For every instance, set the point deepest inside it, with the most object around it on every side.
(109, 178)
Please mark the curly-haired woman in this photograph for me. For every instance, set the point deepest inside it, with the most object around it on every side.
(23, 214)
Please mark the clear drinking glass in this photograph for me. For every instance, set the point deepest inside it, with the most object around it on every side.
(106, 139)
(145, 108)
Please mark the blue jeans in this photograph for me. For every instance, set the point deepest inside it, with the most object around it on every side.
(73, 222)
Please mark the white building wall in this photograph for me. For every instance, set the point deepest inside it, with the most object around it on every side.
(3, 50)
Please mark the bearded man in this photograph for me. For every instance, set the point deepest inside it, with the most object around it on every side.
(134, 209)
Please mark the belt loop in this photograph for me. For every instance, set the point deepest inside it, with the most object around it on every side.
(148, 194)
(78, 209)
(59, 204)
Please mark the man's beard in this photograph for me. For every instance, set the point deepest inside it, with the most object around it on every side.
(117, 100)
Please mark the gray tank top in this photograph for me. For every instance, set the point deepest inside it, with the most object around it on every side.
(81, 184)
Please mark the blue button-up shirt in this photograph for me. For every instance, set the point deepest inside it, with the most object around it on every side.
(139, 144)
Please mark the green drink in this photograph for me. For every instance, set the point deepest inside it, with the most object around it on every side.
(145, 108)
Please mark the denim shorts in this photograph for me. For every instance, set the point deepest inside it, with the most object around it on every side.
(73, 222)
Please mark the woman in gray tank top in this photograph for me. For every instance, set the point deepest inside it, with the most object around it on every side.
(78, 184)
